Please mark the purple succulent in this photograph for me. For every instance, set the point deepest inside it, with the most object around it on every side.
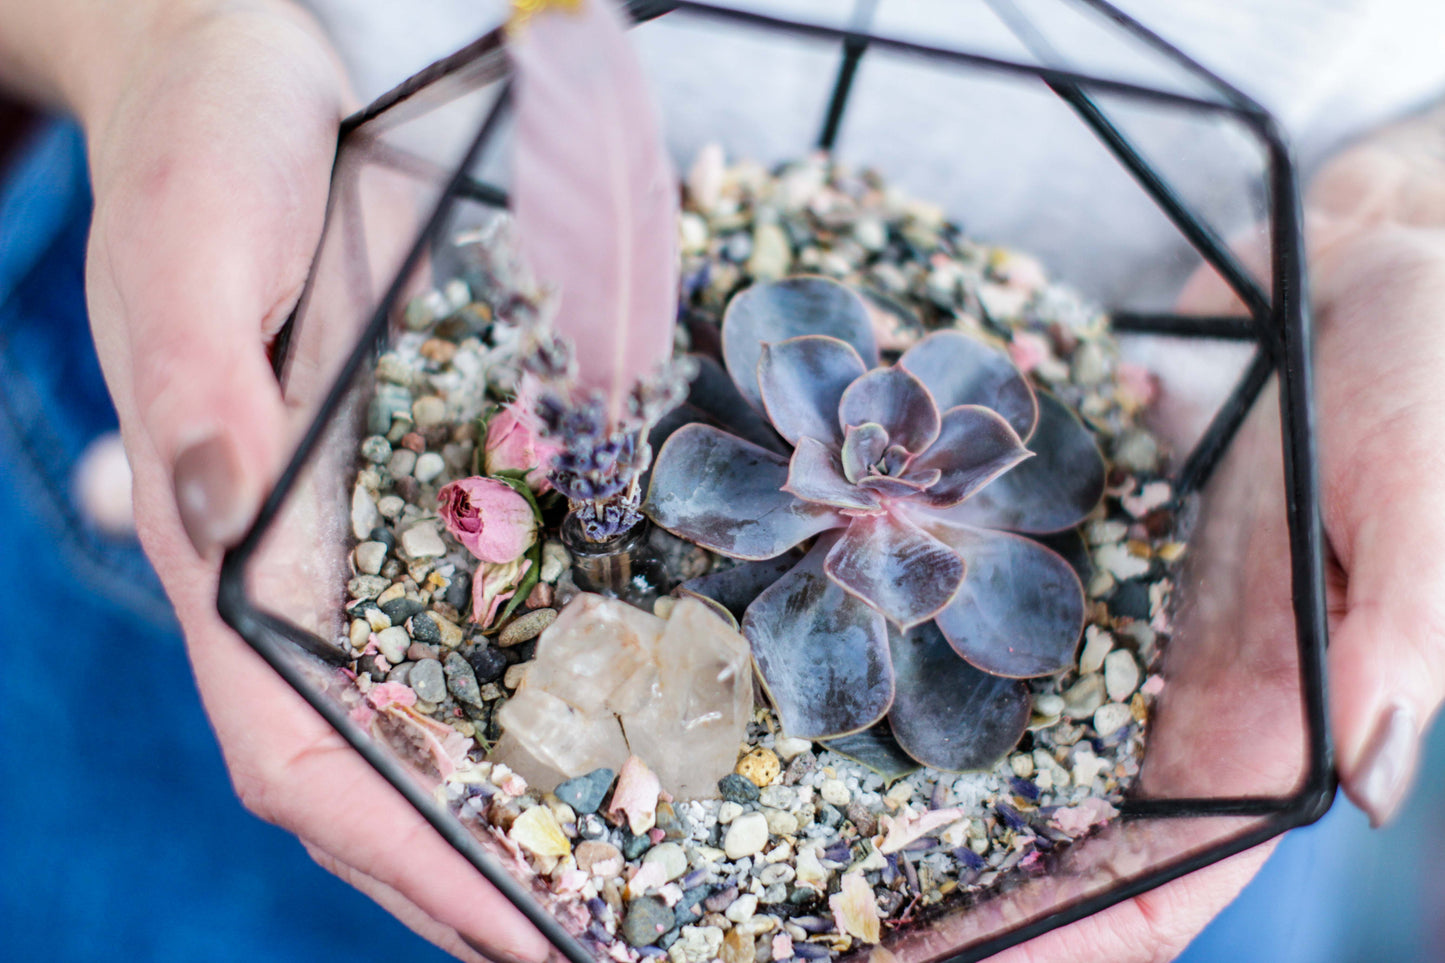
(921, 597)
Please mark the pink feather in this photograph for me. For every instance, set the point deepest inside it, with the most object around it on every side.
(594, 194)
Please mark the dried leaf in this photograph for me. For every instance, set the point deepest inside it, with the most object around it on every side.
(855, 908)
(901, 830)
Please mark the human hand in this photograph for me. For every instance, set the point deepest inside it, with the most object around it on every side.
(212, 129)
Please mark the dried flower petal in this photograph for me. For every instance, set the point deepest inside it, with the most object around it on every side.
(536, 831)
(901, 830)
(856, 909)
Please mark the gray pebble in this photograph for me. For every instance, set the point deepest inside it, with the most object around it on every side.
(401, 462)
(461, 680)
(738, 789)
(429, 680)
(778, 797)
(367, 586)
(489, 663)
(376, 449)
(424, 629)
(646, 920)
(400, 673)
(586, 792)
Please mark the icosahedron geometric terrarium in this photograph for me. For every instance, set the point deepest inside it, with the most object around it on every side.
(778, 559)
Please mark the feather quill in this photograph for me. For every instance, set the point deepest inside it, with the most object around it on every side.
(594, 193)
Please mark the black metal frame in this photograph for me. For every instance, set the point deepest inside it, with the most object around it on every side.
(1279, 327)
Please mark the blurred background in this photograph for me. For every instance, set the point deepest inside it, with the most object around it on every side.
(119, 833)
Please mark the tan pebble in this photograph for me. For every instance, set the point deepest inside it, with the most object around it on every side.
(662, 608)
(526, 627)
(781, 823)
(541, 596)
(787, 748)
(536, 831)
(360, 632)
(396, 591)
(516, 674)
(737, 947)
(1022, 765)
(760, 767)
(592, 852)
(451, 633)
(439, 350)
(378, 620)
(1171, 552)
(1138, 708)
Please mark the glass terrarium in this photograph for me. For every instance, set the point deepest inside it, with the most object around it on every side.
(903, 213)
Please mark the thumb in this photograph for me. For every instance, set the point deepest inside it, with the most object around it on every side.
(211, 178)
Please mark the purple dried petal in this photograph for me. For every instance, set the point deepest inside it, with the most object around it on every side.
(895, 399)
(1026, 788)
(821, 653)
(1020, 611)
(776, 311)
(815, 474)
(962, 370)
(967, 857)
(947, 713)
(863, 446)
(802, 381)
(1011, 817)
(896, 567)
(726, 495)
(1050, 492)
(974, 447)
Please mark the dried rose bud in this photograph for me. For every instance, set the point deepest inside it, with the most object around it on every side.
(512, 445)
(488, 517)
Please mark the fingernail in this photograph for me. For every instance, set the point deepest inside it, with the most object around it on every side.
(499, 956)
(207, 481)
(1387, 765)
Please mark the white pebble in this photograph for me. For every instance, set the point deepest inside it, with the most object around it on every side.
(671, 857)
(1118, 560)
(555, 560)
(787, 748)
(743, 908)
(728, 811)
(428, 467)
(428, 410)
(401, 463)
(1121, 675)
(422, 541)
(1097, 644)
(364, 516)
(781, 823)
(1111, 718)
(835, 792)
(393, 643)
(390, 506)
(747, 835)
(370, 556)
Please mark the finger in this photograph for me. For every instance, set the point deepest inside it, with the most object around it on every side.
(411, 915)
(1381, 347)
(211, 187)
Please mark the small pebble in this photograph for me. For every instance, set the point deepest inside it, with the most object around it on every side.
(593, 851)
(1097, 644)
(488, 663)
(526, 627)
(428, 467)
(1121, 675)
(647, 919)
(835, 792)
(781, 823)
(401, 462)
(746, 836)
(760, 767)
(422, 541)
(370, 556)
(429, 680)
(428, 410)
(555, 560)
(1084, 696)
(1111, 717)
(586, 792)
(424, 629)
(461, 680)
(738, 789)
(728, 811)
(393, 643)
(515, 674)
(742, 909)
(787, 748)
(671, 857)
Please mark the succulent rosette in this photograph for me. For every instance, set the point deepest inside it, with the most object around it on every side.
(921, 598)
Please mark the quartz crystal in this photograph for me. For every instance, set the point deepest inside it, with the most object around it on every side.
(610, 680)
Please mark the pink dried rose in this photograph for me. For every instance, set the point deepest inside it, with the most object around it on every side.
(514, 444)
(489, 518)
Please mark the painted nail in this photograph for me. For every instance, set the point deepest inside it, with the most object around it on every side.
(207, 481)
(1387, 765)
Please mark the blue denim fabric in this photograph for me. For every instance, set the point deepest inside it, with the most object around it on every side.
(120, 836)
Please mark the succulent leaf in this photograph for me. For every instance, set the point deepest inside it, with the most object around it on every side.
(822, 654)
(815, 474)
(776, 311)
(962, 370)
(895, 399)
(896, 567)
(1020, 611)
(802, 381)
(713, 395)
(735, 588)
(863, 445)
(948, 714)
(1050, 492)
(726, 495)
(975, 445)
(897, 487)
(875, 748)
